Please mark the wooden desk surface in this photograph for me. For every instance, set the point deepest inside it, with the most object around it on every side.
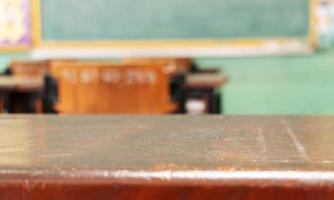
(203, 157)
(205, 80)
(20, 84)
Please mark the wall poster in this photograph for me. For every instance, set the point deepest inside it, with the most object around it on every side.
(15, 23)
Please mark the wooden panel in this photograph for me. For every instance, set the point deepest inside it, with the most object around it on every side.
(29, 68)
(172, 65)
(166, 157)
(109, 77)
(115, 88)
(87, 89)
(77, 191)
(67, 80)
(34, 68)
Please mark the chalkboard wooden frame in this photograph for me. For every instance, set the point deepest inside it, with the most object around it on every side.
(39, 42)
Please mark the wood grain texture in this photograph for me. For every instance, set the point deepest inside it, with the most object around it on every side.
(172, 65)
(166, 157)
(29, 68)
(88, 87)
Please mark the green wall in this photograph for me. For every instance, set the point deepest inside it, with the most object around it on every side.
(285, 85)
(280, 85)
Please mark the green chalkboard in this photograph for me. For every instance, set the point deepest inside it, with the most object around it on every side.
(76, 20)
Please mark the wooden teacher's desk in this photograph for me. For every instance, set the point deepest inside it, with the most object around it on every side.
(166, 157)
(22, 92)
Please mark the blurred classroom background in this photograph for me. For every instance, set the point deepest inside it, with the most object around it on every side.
(278, 55)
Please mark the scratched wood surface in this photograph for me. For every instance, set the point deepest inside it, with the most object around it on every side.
(166, 157)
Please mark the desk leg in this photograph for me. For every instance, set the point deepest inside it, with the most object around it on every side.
(215, 104)
(1, 105)
(5, 100)
(178, 92)
(221, 101)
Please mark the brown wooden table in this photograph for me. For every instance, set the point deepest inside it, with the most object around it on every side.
(166, 157)
(21, 92)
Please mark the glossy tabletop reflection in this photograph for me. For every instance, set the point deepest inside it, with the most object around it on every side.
(168, 149)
